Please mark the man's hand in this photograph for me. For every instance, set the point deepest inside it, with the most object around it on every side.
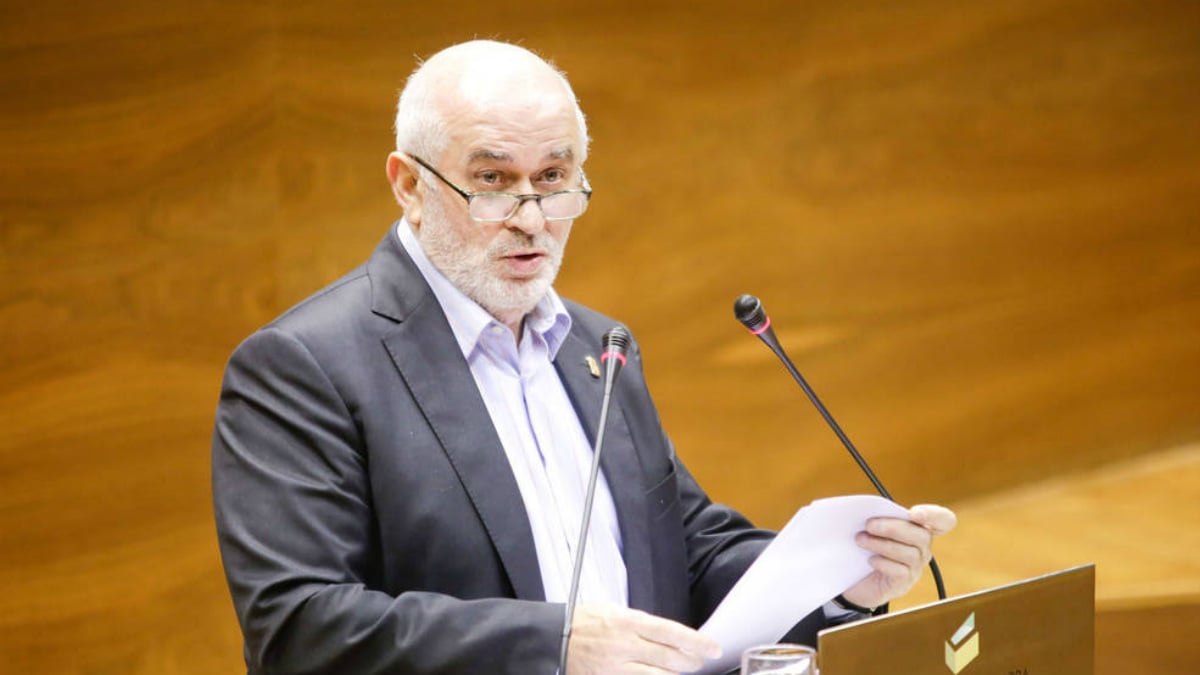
(609, 640)
(902, 549)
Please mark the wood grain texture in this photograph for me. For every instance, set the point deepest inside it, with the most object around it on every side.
(1134, 519)
(975, 225)
(1156, 639)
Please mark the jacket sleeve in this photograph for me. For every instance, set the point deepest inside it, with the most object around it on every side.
(719, 543)
(722, 544)
(298, 540)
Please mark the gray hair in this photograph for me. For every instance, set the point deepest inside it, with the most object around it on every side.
(420, 129)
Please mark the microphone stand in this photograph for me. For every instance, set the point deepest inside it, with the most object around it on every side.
(616, 343)
(750, 312)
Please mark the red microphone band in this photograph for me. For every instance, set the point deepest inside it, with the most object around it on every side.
(620, 357)
(763, 328)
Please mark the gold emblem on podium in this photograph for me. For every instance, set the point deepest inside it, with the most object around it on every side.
(963, 646)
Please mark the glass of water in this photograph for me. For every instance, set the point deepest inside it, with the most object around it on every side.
(780, 659)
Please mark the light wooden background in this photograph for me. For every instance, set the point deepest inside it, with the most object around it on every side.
(975, 225)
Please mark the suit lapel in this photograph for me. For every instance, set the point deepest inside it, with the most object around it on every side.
(618, 461)
(429, 361)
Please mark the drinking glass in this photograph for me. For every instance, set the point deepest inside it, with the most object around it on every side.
(780, 659)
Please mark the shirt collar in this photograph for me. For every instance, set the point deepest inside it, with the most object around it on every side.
(549, 318)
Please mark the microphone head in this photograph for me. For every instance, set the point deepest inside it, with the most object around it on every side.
(616, 340)
(749, 310)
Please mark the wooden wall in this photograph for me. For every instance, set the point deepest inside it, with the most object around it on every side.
(975, 225)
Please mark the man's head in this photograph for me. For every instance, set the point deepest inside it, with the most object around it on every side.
(489, 117)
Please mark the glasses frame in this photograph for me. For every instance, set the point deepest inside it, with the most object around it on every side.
(586, 191)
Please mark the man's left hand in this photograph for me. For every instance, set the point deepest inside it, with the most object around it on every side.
(902, 549)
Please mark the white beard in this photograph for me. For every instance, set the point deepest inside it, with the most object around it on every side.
(473, 269)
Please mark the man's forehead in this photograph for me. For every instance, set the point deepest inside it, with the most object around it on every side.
(560, 153)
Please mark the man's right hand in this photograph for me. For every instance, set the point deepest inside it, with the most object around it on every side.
(607, 640)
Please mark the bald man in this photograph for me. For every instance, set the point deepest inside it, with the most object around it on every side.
(399, 461)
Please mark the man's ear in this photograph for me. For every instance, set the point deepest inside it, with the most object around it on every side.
(406, 186)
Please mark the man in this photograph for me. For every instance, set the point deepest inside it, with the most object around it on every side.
(399, 461)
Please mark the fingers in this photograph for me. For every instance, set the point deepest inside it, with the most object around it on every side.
(902, 549)
(674, 635)
(910, 548)
(937, 519)
(609, 639)
(899, 577)
(900, 540)
(926, 522)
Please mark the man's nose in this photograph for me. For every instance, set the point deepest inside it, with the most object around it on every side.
(528, 217)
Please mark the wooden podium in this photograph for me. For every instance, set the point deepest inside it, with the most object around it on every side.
(1040, 626)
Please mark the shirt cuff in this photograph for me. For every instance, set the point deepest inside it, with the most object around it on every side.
(836, 615)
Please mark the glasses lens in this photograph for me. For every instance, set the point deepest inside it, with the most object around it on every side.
(494, 207)
(564, 205)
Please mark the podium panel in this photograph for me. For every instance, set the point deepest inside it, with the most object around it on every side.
(1040, 625)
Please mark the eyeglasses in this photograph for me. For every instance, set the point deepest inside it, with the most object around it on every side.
(497, 207)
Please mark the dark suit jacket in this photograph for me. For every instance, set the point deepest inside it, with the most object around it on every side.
(368, 518)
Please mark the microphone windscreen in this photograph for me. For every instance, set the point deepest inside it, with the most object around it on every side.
(616, 340)
(749, 310)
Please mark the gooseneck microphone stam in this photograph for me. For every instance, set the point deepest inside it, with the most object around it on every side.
(614, 344)
(749, 310)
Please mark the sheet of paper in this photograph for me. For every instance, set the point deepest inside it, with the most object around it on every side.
(813, 558)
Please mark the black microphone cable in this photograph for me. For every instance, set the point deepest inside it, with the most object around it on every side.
(749, 310)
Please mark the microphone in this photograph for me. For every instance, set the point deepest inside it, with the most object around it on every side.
(749, 310)
(615, 344)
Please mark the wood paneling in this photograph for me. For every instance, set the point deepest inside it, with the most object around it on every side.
(975, 225)
(1155, 639)
(1134, 519)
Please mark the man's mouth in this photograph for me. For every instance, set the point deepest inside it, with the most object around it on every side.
(525, 263)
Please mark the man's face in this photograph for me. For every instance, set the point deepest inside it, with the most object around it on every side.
(534, 147)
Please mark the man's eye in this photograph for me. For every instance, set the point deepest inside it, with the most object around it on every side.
(554, 176)
(490, 178)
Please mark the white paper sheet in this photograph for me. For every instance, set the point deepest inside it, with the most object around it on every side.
(813, 558)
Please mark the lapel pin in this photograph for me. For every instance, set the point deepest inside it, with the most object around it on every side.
(593, 367)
